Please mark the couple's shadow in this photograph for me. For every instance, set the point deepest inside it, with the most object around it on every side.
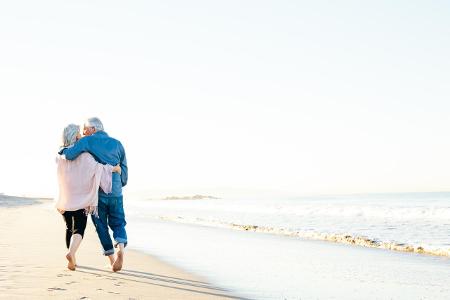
(188, 285)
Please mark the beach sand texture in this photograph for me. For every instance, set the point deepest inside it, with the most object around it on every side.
(33, 264)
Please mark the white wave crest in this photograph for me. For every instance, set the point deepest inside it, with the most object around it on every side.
(313, 235)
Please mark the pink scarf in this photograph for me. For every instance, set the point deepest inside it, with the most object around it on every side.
(79, 180)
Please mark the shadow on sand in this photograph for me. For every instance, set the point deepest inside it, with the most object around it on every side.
(192, 286)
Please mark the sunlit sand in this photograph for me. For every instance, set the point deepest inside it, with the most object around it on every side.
(34, 265)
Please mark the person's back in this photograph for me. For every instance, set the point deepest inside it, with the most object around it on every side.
(105, 150)
(79, 180)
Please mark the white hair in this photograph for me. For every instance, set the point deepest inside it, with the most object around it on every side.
(70, 134)
(94, 122)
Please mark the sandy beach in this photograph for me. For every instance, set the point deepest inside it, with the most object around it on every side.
(33, 264)
(237, 264)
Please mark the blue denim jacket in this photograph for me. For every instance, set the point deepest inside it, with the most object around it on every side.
(105, 150)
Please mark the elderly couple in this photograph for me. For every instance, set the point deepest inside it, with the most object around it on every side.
(91, 172)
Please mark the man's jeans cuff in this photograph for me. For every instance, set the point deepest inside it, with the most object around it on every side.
(120, 241)
(108, 252)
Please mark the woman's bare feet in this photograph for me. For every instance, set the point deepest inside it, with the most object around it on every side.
(75, 242)
(71, 262)
(117, 265)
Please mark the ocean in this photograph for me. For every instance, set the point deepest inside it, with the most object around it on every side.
(265, 238)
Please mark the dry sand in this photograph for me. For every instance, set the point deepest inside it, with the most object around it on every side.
(33, 264)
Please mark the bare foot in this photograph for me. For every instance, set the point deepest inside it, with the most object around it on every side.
(111, 262)
(71, 264)
(117, 265)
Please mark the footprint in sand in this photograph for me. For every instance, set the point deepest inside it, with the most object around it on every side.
(55, 289)
(115, 293)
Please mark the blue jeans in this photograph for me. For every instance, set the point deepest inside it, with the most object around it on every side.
(110, 213)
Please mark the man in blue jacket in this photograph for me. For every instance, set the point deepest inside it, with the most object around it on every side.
(106, 150)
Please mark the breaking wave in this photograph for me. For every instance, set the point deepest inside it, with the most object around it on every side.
(313, 235)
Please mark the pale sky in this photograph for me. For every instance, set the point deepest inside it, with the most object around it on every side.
(300, 97)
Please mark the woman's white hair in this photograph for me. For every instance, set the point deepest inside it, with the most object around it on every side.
(94, 122)
(70, 134)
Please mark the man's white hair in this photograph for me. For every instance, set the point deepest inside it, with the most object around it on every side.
(70, 134)
(94, 122)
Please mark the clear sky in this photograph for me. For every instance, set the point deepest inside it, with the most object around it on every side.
(291, 96)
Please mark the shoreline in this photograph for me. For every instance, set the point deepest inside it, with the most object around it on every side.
(33, 264)
(164, 262)
(345, 239)
(273, 267)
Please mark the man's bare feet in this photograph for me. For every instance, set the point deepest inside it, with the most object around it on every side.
(111, 261)
(71, 262)
(117, 265)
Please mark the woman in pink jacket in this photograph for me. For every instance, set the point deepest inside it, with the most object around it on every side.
(78, 183)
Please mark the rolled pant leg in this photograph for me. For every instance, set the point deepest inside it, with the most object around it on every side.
(101, 226)
(116, 220)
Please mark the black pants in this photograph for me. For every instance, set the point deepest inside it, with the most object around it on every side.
(75, 223)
